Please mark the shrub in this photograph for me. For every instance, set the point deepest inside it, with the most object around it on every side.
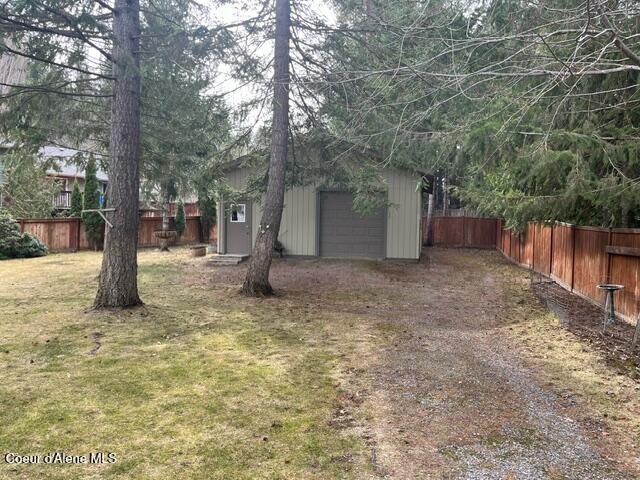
(181, 222)
(207, 206)
(14, 244)
(93, 223)
(76, 201)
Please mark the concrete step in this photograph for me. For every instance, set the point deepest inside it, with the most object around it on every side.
(226, 260)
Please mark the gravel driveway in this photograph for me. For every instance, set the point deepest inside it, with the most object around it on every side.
(438, 388)
(451, 395)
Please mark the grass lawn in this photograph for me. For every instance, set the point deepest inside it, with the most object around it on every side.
(200, 383)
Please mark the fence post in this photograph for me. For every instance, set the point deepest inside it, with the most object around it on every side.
(519, 248)
(573, 255)
(551, 250)
(533, 249)
(78, 227)
(609, 240)
(464, 234)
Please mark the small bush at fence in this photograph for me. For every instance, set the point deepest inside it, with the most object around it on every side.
(76, 201)
(14, 244)
(93, 223)
(181, 221)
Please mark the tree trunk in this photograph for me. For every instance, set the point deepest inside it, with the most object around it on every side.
(445, 196)
(118, 283)
(164, 239)
(257, 279)
(429, 232)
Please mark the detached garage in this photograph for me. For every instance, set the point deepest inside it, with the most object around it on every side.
(321, 221)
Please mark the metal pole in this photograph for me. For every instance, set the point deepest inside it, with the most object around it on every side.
(607, 303)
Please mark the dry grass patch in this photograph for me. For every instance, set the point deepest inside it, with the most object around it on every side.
(591, 390)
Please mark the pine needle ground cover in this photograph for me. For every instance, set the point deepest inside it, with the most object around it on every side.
(200, 383)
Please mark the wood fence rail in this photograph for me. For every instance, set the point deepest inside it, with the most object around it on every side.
(577, 257)
(68, 234)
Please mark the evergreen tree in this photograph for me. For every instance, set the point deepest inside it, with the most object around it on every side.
(93, 223)
(15, 244)
(207, 207)
(181, 221)
(524, 120)
(256, 282)
(26, 185)
(76, 201)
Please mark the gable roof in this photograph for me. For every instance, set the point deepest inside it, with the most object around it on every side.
(64, 165)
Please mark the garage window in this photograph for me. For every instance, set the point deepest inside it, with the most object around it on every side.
(238, 213)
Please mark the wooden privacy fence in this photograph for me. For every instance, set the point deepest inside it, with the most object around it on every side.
(580, 258)
(68, 234)
(462, 232)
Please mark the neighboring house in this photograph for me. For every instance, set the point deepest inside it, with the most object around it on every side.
(191, 209)
(65, 172)
(320, 221)
(14, 71)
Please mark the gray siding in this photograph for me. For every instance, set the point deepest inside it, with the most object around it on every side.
(222, 247)
(236, 179)
(298, 226)
(298, 229)
(403, 215)
(257, 216)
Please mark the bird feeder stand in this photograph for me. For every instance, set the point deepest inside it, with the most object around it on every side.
(609, 307)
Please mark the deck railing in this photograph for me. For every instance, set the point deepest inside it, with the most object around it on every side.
(62, 200)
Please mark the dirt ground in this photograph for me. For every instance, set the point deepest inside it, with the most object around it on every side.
(585, 319)
(462, 373)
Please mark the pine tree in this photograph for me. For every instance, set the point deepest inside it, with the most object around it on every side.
(93, 223)
(256, 282)
(91, 50)
(76, 201)
(181, 222)
(207, 207)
